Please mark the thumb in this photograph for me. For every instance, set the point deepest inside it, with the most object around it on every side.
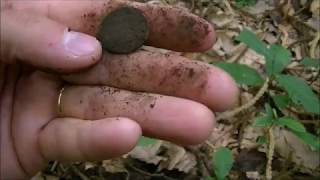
(41, 42)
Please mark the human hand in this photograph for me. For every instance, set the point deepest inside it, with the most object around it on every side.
(96, 122)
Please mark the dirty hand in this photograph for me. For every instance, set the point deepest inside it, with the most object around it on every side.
(106, 120)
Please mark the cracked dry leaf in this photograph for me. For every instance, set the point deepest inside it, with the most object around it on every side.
(148, 154)
(291, 147)
(218, 47)
(40, 176)
(114, 166)
(221, 135)
(228, 45)
(178, 159)
(221, 20)
(250, 160)
(254, 175)
(259, 8)
(254, 60)
(315, 7)
(250, 136)
(175, 157)
(314, 22)
(175, 154)
(89, 165)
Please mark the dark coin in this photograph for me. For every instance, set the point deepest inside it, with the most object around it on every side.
(123, 30)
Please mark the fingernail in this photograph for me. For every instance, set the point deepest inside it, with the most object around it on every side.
(79, 44)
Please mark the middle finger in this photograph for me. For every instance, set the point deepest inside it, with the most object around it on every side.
(163, 74)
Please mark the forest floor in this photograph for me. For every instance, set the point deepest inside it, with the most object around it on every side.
(274, 132)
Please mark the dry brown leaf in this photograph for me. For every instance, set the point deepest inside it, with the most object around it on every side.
(148, 154)
(175, 157)
(221, 135)
(89, 165)
(249, 139)
(114, 166)
(315, 7)
(253, 175)
(291, 147)
(178, 159)
(259, 8)
(40, 176)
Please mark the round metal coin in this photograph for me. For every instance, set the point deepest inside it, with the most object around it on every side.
(123, 30)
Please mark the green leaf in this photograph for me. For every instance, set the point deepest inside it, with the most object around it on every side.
(309, 139)
(267, 120)
(261, 140)
(269, 111)
(263, 122)
(311, 62)
(277, 59)
(242, 74)
(145, 141)
(281, 101)
(291, 124)
(222, 162)
(253, 42)
(300, 93)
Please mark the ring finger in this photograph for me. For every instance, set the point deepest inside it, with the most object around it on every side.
(164, 117)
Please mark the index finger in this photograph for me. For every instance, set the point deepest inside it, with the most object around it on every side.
(169, 27)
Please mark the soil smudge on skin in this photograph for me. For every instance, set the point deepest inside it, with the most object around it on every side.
(182, 29)
(171, 76)
(111, 102)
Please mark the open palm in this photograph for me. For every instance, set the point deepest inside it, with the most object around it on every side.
(105, 108)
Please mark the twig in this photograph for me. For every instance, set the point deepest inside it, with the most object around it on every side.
(285, 33)
(79, 173)
(315, 122)
(232, 113)
(286, 173)
(223, 134)
(300, 25)
(202, 165)
(298, 41)
(270, 154)
(226, 2)
(149, 174)
(54, 166)
(210, 144)
(313, 45)
(236, 57)
(192, 6)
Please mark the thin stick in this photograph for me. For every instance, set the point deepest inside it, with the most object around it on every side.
(270, 154)
(232, 113)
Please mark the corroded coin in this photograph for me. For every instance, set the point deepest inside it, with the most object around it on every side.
(123, 30)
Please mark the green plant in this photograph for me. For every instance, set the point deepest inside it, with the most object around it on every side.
(295, 91)
(271, 119)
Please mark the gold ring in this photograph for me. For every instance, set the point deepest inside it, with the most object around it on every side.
(59, 99)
